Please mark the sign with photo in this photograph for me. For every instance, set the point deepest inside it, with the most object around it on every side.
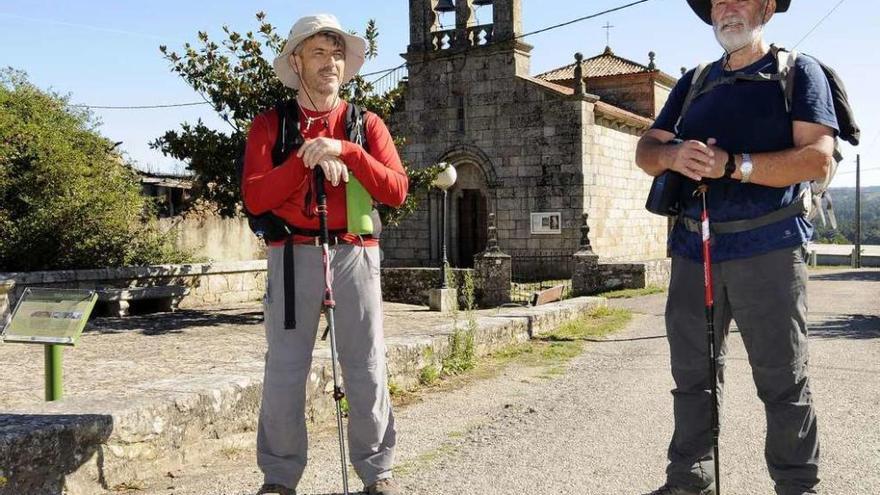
(50, 316)
(547, 223)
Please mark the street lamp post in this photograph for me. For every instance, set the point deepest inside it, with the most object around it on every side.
(444, 181)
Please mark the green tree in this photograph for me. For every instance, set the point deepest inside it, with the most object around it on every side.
(844, 207)
(237, 79)
(66, 199)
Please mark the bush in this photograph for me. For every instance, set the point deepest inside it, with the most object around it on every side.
(67, 201)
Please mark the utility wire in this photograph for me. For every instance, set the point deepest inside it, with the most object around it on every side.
(386, 72)
(142, 107)
(817, 24)
(584, 18)
(542, 30)
(853, 171)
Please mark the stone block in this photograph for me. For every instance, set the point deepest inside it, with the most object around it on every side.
(442, 300)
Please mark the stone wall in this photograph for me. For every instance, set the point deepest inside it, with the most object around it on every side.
(592, 277)
(214, 238)
(414, 242)
(616, 276)
(218, 283)
(616, 189)
(411, 285)
(208, 283)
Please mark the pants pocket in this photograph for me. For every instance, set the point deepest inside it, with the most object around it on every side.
(371, 256)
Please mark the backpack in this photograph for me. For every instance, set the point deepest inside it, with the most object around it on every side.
(817, 201)
(268, 226)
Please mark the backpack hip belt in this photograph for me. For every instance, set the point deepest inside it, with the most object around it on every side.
(797, 207)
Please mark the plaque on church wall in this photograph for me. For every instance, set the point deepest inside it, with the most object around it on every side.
(547, 223)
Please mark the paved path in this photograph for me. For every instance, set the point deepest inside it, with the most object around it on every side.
(603, 426)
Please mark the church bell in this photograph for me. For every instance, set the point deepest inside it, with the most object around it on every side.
(445, 6)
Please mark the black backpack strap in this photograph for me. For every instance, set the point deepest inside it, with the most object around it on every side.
(697, 82)
(356, 125)
(289, 137)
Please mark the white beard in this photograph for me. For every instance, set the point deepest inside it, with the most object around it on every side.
(732, 41)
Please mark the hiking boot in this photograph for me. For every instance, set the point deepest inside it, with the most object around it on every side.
(674, 490)
(385, 486)
(273, 489)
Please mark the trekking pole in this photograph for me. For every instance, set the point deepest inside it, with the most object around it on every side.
(329, 305)
(710, 327)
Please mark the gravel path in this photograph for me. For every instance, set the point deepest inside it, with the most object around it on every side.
(602, 427)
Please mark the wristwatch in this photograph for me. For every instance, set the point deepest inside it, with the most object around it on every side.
(746, 168)
(730, 166)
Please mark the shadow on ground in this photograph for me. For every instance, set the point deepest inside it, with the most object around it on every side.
(177, 322)
(847, 327)
(849, 276)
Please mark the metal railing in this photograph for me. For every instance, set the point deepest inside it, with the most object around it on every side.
(534, 271)
(385, 82)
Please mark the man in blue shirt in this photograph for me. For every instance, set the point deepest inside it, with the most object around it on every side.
(757, 155)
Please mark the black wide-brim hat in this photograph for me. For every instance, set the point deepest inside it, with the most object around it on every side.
(703, 8)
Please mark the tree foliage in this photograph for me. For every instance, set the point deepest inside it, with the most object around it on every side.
(236, 77)
(66, 199)
(844, 210)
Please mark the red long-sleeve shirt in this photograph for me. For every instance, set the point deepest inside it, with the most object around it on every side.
(283, 189)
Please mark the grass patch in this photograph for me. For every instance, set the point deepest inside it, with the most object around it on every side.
(462, 355)
(232, 453)
(394, 388)
(599, 322)
(425, 458)
(555, 349)
(429, 375)
(629, 293)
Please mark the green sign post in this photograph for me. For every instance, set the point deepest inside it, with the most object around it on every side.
(54, 318)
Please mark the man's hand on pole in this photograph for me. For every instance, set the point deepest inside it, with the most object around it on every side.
(324, 152)
(697, 160)
(334, 170)
(314, 150)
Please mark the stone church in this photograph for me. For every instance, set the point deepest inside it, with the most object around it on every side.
(538, 151)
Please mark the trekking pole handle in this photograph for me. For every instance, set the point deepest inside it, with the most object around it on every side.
(321, 198)
(320, 193)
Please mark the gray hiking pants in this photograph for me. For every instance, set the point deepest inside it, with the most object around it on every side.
(766, 296)
(281, 436)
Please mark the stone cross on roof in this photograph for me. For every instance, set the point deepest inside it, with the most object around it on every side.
(607, 27)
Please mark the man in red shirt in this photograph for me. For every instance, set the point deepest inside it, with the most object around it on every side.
(318, 57)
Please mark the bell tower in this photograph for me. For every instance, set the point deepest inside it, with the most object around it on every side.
(432, 37)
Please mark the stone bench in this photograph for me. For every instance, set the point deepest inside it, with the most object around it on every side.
(116, 302)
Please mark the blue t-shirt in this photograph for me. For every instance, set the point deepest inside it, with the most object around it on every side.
(746, 117)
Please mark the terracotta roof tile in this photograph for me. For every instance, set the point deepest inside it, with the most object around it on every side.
(606, 64)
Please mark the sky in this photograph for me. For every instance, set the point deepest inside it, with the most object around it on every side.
(105, 53)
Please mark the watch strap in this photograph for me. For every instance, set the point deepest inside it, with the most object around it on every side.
(730, 166)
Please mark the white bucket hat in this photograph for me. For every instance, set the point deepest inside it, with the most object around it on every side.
(355, 48)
